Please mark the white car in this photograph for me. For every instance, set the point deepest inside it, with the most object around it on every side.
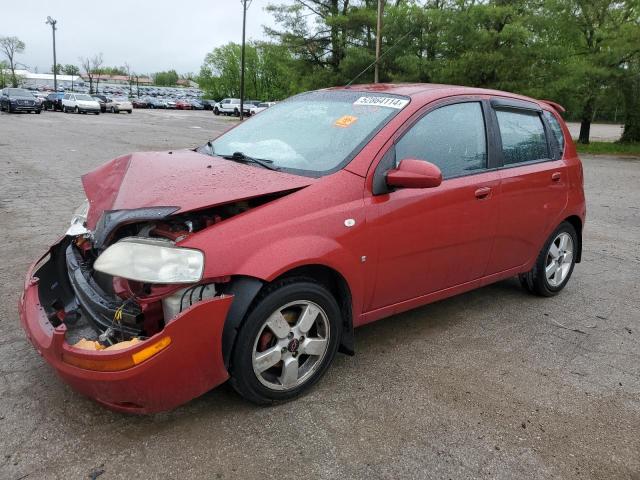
(80, 103)
(117, 105)
(260, 107)
(230, 106)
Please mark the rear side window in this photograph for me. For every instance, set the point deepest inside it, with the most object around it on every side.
(451, 137)
(556, 129)
(523, 136)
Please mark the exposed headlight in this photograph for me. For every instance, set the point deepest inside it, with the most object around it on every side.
(79, 219)
(151, 261)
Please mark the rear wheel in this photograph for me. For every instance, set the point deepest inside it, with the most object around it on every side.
(287, 342)
(77, 110)
(554, 264)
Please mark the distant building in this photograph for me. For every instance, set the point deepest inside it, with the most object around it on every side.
(187, 83)
(29, 79)
(117, 79)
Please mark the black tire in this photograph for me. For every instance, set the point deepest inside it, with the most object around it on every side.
(536, 280)
(129, 112)
(243, 378)
(77, 110)
(236, 112)
(113, 110)
(38, 112)
(216, 111)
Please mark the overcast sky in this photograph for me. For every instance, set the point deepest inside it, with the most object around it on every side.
(151, 35)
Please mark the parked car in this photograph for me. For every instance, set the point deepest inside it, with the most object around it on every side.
(138, 103)
(183, 105)
(260, 107)
(118, 105)
(18, 100)
(208, 104)
(102, 100)
(155, 102)
(254, 257)
(196, 105)
(53, 101)
(230, 106)
(169, 103)
(80, 103)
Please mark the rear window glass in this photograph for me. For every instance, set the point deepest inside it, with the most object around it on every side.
(556, 129)
(523, 136)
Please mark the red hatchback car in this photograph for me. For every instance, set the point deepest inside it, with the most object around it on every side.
(254, 257)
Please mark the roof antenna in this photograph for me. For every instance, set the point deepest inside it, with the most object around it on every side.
(377, 60)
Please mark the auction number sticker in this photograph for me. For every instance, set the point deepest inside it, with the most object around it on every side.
(390, 102)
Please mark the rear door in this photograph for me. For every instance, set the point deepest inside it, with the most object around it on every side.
(534, 183)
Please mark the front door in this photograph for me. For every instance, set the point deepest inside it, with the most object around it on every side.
(435, 238)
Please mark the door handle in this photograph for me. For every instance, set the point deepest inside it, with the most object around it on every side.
(556, 176)
(483, 192)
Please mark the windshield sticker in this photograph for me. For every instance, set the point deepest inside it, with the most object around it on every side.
(390, 102)
(346, 121)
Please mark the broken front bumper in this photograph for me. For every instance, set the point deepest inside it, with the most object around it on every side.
(189, 366)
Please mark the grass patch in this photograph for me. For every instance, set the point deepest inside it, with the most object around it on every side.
(609, 148)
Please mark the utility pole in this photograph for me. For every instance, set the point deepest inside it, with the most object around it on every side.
(52, 22)
(245, 5)
(376, 74)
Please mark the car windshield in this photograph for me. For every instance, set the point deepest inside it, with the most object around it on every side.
(84, 97)
(19, 92)
(313, 133)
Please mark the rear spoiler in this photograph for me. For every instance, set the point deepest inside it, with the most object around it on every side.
(556, 106)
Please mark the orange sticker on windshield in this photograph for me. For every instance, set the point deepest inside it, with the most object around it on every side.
(346, 121)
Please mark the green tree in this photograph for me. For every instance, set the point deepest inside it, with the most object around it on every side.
(600, 36)
(167, 79)
(70, 69)
(4, 79)
(268, 72)
(10, 47)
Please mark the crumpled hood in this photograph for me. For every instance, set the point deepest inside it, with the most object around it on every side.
(184, 179)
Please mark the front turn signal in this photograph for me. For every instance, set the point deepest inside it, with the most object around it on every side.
(116, 364)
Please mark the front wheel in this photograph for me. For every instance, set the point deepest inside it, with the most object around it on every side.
(287, 342)
(554, 264)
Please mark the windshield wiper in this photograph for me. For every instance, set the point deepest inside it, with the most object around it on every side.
(241, 157)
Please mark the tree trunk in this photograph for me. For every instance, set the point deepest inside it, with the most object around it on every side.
(632, 111)
(585, 123)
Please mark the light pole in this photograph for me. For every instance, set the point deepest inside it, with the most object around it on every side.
(376, 71)
(245, 5)
(52, 22)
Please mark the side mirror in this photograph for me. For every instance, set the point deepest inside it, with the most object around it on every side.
(413, 173)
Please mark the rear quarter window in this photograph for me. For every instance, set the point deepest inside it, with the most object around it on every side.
(556, 129)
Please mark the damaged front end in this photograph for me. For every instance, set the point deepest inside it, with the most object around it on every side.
(97, 327)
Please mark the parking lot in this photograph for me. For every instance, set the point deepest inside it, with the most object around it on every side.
(494, 383)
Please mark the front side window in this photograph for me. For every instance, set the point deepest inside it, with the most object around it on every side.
(314, 133)
(451, 137)
(523, 136)
(556, 129)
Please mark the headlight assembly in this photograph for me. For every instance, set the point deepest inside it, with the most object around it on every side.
(151, 260)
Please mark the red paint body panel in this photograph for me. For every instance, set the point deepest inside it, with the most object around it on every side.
(190, 366)
(396, 250)
(183, 178)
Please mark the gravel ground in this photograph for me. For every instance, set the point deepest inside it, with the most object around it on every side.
(491, 384)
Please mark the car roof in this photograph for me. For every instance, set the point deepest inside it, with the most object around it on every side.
(427, 90)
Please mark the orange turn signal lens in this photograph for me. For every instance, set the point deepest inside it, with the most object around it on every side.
(121, 363)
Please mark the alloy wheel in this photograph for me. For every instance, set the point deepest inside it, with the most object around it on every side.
(559, 259)
(291, 345)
